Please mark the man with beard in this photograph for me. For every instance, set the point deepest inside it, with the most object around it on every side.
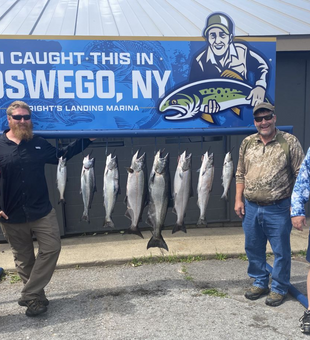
(269, 162)
(25, 208)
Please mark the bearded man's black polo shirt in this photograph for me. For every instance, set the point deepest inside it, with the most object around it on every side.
(24, 192)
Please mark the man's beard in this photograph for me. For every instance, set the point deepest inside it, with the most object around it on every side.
(22, 131)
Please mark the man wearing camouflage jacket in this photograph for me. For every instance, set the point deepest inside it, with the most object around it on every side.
(268, 165)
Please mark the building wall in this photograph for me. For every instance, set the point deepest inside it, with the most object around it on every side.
(292, 108)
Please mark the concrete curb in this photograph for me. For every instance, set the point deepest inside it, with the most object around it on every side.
(116, 248)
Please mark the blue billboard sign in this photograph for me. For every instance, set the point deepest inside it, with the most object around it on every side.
(121, 84)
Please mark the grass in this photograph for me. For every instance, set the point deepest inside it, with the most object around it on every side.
(213, 292)
(14, 278)
(243, 257)
(220, 257)
(136, 262)
(187, 277)
(302, 253)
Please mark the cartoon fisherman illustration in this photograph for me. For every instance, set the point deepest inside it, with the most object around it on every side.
(226, 74)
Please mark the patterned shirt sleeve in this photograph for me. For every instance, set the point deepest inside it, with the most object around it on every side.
(301, 190)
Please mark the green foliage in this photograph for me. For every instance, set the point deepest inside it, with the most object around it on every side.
(136, 262)
(243, 257)
(220, 257)
(213, 292)
(14, 278)
(302, 253)
(187, 276)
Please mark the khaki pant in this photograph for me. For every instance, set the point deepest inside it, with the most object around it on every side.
(35, 272)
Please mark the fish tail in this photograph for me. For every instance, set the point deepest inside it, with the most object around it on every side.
(85, 217)
(108, 224)
(178, 227)
(62, 201)
(134, 230)
(202, 222)
(225, 195)
(156, 242)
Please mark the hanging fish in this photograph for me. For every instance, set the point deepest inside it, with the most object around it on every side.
(88, 185)
(136, 190)
(227, 174)
(204, 187)
(182, 190)
(159, 197)
(110, 188)
(61, 178)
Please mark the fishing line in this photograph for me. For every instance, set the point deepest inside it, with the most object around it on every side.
(131, 145)
(57, 141)
(155, 145)
(106, 147)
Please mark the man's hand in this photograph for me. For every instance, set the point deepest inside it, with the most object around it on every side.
(239, 209)
(2, 214)
(257, 95)
(212, 107)
(299, 222)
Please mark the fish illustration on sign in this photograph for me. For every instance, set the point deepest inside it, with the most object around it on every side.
(226, 74)
(189, 101)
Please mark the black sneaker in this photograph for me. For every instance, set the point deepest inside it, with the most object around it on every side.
(274, 299)
(305, 322)
(23, 303)
(35, 307)
(255, 292)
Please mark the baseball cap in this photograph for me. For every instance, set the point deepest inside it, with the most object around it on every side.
(219, 20)
(263, 105)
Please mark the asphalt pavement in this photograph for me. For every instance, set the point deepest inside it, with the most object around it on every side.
(112, 287)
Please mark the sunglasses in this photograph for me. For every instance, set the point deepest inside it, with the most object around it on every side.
(20, 117)
(260, 119)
